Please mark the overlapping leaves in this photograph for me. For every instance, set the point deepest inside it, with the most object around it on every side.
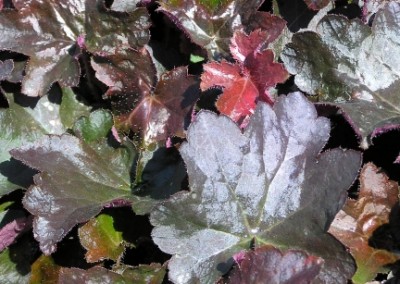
(353, 66)
(249, 79)
(52, 33)
(355, 224)
(156, 108)
(267, 185)
(210, 24)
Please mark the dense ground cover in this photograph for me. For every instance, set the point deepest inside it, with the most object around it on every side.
(205, 141)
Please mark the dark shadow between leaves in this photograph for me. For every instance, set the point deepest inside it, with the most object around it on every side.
(387, 237)
(17, 173)
(24, 252)
(163, 174)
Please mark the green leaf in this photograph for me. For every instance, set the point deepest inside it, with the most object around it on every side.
(268, 185)
(20, 125)
(101, 240)
(71, 109)
(44, 270)
(52, 34)
(353, 66)
(77, 180)
(94, 127)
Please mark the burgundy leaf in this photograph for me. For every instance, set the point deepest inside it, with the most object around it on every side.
(279, 267)
(52, 33)
(317, 4)
(163, 113)
(210, 24)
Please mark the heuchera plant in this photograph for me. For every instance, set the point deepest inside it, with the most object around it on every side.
(199, 141)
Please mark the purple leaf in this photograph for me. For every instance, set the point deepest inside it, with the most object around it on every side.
(76, 182)
(354, 67)
(51, 33)
(10, 232)
(268, 185)
(291, 266)
(6, 68)
(210, 24)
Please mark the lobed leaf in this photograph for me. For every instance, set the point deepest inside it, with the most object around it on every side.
(268, 185)
(352, 66)
(76, 180)
(20, 125)
(210, 24)
(52, 34)
(166, 112)
(246, 81)
(357, 221)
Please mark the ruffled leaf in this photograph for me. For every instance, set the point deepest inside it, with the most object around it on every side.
(268, 185)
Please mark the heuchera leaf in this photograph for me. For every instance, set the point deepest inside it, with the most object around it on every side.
(357, 221)
(95, 126)
(20, 125)
(77, 179)
(167, 110)
(52, 33)
(210, 24)
(71, 109)
(155, 109)
(353, 66)
(269, 263)
(44, 270)
(249, 79)
(6, 67)
(152, 274)
(316, 4)
(268, 185)
(124, 5)
(101, 240)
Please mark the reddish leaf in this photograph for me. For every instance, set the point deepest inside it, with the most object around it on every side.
(10, 232)
(317, 4)
(254, 73)
(291, 266)
(163, 113)
(358, 219)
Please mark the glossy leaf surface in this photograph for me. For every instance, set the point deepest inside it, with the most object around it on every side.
(269, 185)
(152, 275)
(77, 179)
(249, 79)
(357, 221)
(291, 266)
(20, 125)
(353, 66)
(167, 111)
(52, 34)
(210, 24)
